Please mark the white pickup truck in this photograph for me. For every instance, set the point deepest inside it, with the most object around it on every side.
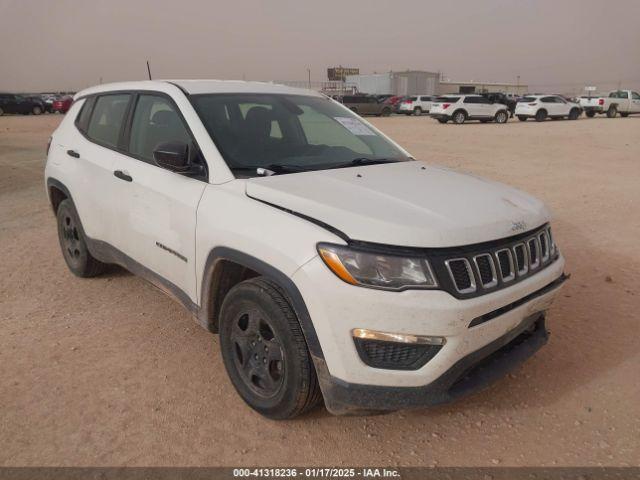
(624, 102)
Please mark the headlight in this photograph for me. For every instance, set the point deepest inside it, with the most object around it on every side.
(377, 270)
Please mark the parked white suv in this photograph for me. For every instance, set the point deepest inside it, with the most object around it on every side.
(460, 108)
(542, 107)
(415, 105)
(331, 263)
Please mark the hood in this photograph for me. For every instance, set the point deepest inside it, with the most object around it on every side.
(404, 204)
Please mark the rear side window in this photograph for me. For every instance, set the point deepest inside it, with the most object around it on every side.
(635, 96)
(155, 121)
(106, 120)
(472, 100)
(527, 100)
(82, 121)
(447, 99)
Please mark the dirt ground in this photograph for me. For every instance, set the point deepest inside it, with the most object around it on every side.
(109, 371)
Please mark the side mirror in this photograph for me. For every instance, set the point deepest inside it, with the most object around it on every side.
(173, 156)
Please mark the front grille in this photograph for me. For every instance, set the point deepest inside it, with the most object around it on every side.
(394, 355)
(495, 265)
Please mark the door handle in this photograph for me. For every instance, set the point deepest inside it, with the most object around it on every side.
(73, 153)
(123, 176)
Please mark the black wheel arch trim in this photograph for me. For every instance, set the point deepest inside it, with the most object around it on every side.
(264, 269)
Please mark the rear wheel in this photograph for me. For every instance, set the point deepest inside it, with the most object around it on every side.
(73, 243)
(417, 111)
(36, 110)
(501, 117)
(624, 115)
(264, 350)
(612, 112)
(459, 117)
(386, 111)
(522, 118)
(541, 115)
(590, 114)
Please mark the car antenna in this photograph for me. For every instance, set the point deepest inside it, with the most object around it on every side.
(148, 70)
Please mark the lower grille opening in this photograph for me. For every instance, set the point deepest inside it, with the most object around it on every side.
(394, 355)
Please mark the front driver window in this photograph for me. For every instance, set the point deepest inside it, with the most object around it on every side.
(155, 121)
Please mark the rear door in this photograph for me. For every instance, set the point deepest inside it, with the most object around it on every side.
(89, 162)
(157, 207)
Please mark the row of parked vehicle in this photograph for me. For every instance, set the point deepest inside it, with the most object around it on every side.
(496, 106)
(34, 104)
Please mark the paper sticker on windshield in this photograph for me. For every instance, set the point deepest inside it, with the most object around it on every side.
(354, 125)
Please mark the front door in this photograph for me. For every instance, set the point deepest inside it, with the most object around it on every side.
(158, 207)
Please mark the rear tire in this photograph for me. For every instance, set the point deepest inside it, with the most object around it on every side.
(501, 117)
(36, 110)
(264, 351)
(590, 114)
(459, 117)
(522, 118)
(624, 115)
(541, 115)
(417, 111)
(73, 243)
(612, 112)
(386, 112)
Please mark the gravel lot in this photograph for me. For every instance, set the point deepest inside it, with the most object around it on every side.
(109, 371)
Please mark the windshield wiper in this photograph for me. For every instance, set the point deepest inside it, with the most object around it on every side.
(268, 170)
(360, 161)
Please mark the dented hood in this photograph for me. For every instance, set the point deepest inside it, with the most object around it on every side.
(406, 204)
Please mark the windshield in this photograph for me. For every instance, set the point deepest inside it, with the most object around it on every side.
(289, 133)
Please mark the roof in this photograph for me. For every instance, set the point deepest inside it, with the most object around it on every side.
(200, 86)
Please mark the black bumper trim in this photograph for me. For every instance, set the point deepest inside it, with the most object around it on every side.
(507, 308)
(472, 373)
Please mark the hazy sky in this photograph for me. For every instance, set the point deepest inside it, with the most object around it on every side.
(554, 45)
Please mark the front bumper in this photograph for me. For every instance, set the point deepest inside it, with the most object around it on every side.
(470, 374)
(337, 308)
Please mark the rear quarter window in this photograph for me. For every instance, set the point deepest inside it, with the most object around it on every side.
(82, 120)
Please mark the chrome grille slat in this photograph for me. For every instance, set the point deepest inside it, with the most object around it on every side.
(478, 260)
(533, 250)
(459, 281)
(522, 260)
(512, 272)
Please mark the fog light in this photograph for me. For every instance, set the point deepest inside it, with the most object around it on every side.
(394, 351)
(365, 334)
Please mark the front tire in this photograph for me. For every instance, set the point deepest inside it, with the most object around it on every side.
(36, 110)
(612, 112)
(1, 112)
(73, 243)
(443, 120)
(522, 118)
(624, 115)
(574, 114)
(417, 111)
(386, 112)
(264, 351)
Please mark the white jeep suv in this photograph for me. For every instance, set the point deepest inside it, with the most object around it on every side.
(331, 263)
(460, 108)
(542, 107)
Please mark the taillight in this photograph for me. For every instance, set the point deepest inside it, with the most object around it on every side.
(445, 106)
(49, 145)
(601, 101)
